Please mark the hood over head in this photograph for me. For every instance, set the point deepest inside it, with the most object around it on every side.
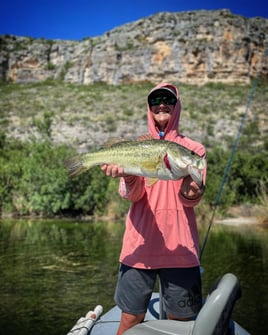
(172, 129)
(163, 90)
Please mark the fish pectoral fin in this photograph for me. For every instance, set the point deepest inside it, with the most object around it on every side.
(151, 166)
(151, 181)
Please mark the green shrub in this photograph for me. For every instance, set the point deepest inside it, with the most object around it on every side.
(248, 168)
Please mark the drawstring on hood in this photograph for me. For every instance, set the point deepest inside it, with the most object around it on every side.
(172, 128)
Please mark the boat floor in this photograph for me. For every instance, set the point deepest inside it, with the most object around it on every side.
(107, 324)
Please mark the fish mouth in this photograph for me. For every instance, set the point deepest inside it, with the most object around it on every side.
(197, 175)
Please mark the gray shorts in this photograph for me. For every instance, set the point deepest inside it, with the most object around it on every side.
(181, 290)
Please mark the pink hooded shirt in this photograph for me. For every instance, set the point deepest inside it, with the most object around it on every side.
(161, 229)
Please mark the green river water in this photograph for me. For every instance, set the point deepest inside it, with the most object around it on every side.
(53, 272)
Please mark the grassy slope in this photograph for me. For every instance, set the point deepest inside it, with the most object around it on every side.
(211, 113)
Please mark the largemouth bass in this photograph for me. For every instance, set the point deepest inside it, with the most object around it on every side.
(155, 159)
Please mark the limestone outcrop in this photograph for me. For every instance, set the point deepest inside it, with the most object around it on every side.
(192, 47)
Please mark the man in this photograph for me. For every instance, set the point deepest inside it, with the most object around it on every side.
(161, 237)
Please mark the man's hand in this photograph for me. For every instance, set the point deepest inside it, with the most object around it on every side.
(190, 190)
(112, 170)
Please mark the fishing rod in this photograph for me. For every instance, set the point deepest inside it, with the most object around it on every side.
(234, 147)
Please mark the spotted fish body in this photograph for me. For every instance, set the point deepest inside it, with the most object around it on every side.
(158, 159)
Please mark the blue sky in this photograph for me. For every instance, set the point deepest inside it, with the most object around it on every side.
(77, 19)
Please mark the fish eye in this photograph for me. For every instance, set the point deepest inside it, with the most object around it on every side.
(192, 153)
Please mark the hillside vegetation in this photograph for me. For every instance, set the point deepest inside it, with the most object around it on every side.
(44, 123)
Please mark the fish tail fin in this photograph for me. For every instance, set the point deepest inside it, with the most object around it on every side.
(74, 166)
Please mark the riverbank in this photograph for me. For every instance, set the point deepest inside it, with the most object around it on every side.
(245, 215)
(238, 221)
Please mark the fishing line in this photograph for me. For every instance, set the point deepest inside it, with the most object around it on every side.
(234, 147)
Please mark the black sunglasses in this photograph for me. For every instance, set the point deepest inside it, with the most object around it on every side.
(166, 100)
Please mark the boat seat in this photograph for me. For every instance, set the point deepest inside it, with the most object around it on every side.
(213, 319)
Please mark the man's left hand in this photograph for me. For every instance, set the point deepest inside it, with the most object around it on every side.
(190, 189)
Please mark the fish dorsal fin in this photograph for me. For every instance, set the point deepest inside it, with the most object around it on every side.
(151, 181)
(145, 137)
(113, 140)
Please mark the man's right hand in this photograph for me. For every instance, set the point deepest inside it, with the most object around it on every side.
(112, 170)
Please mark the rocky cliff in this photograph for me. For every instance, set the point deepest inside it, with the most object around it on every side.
(192, 47)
